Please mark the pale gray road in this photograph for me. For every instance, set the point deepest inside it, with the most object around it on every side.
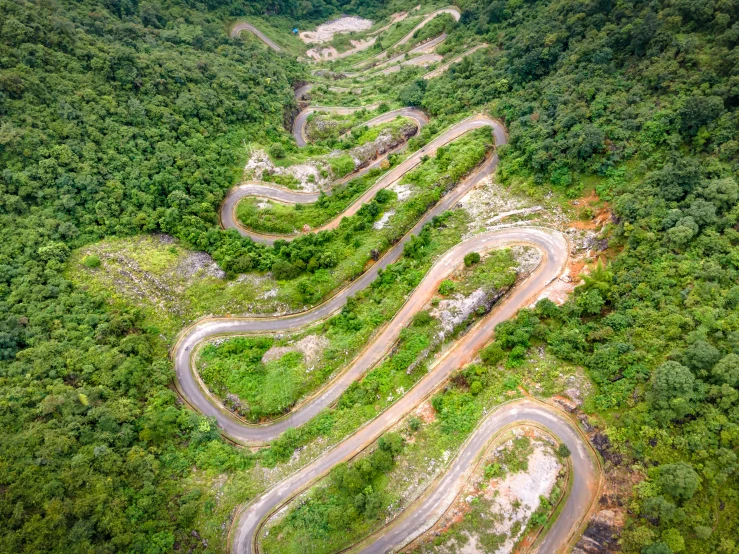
(554, 248)
(188, 382)
(425, 47)
(301, 119)
(237, 29)
(555, 254)
(442, 68)
(452, 10)
(585, 476)
(230, 221)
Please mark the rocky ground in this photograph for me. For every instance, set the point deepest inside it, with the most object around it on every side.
(505, 503)
(314, 176)
(310, 176)
(326, 31)
(311, 346)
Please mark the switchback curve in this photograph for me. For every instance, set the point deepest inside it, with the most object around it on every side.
(425, 511)
(230, 221)
(555, 252)
(241, 26)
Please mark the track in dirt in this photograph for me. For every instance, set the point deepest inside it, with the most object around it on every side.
(421, 515)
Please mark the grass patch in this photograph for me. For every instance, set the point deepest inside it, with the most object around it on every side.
(233, 368)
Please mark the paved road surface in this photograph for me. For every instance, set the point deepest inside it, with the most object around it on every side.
(244, 26)
(230, 221)
(585, 474)
(452, 10)
(555, 250)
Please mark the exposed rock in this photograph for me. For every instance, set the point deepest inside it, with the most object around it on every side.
(326, 31)
(601, 535)
(311, 346)
(603, 445)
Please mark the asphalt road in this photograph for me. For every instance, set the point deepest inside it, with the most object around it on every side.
(189, 383)
(237, 29)
(230, 221)
(431, 506)
(452, 10)
(554, 248)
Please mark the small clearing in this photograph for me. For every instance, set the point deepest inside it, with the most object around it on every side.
(395, 18)
(308, 175)
(403, 191)
(380, 223)
(453, 311)
(499, 506)
(326, 31)
(331, 53)
(311, 346)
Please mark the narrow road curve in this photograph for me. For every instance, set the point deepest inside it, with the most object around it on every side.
(442, 68)
(230, 221)
(552, 244)
(418, 517)
(555, 255)
(301, 120)
(451, 10)
(237, 29)
(191, 387)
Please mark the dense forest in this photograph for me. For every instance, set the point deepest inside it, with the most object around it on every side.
(121, 117)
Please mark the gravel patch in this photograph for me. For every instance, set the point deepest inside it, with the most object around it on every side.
(311, 346)
(326, 31)
(380, 223)
(308, 175)
(453, 311)
(403, 191)
(517, 496)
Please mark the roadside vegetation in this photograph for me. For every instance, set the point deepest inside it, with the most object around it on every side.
(128, 118)
(262, 377)
(499, 507)
(424, 185)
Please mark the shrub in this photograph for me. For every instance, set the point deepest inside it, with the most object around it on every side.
(92, 261)
(282, 270)
(563, 451)
(447, 287)
(277, 151)
(492, 354)
(471, 259)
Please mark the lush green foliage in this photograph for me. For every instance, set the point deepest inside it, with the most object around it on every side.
(355, 495)
(123, 117)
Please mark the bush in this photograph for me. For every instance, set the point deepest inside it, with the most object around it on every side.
(414, 424)
(492, 354)
(447, 287)
(471, 259)
(277, 151)
(282, 270)
(563, 451)
(92, 261)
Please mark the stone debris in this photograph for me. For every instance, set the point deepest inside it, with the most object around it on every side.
(311, 346)
(326, 31)
(380, 223)
(309, 175)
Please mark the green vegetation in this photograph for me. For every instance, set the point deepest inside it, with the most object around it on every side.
(442, 23)
(339, 513)
(122, 118)
(429, 180)
(258, 390)
(482, 515)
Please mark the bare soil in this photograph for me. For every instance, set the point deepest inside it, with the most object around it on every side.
(326, 31)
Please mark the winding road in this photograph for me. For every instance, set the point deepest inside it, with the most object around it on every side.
(424, 512)
(452, 10)
(241, 26)
(228, 208)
